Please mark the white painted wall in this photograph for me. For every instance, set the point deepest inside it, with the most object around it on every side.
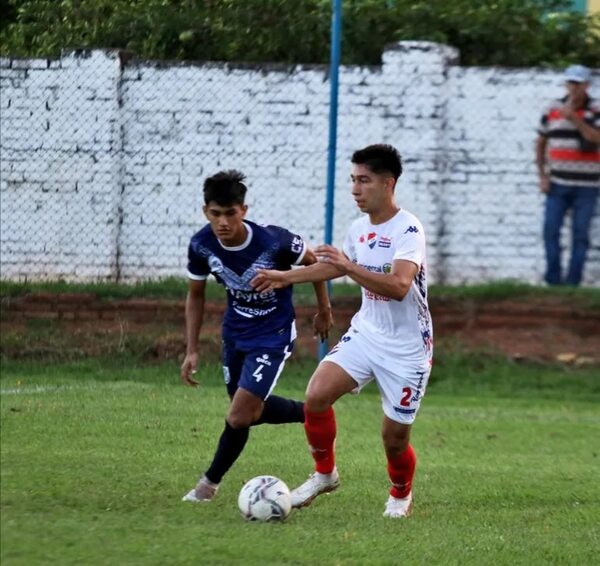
(58, 167)
(102, 159)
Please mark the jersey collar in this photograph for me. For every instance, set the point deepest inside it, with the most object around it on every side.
(242, 246)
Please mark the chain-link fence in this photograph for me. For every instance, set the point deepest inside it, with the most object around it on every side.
(103, 158)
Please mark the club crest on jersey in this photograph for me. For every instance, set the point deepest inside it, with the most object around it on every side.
(215, 265)
(384, 242)
(371, 239)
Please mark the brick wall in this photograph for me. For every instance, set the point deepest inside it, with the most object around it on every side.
(450, 315)
(102, 158)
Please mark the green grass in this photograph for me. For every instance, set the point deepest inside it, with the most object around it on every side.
(166, 288)
(498, 290)
(176, 288)
(170, 288)
(96, 455)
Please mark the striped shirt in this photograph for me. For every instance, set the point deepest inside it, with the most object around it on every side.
(573, 160)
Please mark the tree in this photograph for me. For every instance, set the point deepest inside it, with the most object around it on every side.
(502, 32)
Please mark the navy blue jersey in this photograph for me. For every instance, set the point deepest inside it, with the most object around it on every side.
(251, 318)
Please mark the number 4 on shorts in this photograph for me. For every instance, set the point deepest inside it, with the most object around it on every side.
(258, 373)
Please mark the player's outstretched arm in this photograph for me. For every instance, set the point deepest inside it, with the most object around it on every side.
(269, 279)
(323, 320)
(194, 315)
(394, 285)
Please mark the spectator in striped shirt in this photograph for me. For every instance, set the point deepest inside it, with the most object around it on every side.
(568, 161)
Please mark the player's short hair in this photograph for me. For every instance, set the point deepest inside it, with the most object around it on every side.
(380, 158)
(226, 188)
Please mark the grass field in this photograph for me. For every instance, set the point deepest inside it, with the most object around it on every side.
(97, 454)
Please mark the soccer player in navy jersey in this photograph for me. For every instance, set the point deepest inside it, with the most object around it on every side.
(258, 327)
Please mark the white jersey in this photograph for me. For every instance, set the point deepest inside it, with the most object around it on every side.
(403, 327)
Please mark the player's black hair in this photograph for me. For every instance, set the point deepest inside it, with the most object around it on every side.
(226, 188)
(380, 158)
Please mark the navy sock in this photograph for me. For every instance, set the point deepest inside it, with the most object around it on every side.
(231, 444)
(278, 410)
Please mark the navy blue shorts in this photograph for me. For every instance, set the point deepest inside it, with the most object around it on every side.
(256, 369)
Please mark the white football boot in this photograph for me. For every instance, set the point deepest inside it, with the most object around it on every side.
(204, 491)
(316, 484)
(397, 508)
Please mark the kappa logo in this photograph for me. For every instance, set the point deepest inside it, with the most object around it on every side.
(371, 239)
(264, 360)
(384, 242)
(412, 229)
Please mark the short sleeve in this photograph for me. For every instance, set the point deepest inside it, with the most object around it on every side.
(410, 246)
(198, 268)
(292, 247)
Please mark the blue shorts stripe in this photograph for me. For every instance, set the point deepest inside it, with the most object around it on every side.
(405, 411)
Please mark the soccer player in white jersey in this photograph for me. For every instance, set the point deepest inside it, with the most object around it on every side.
(390, 337)
(258, 327)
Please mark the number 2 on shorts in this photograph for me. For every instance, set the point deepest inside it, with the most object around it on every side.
(405, 401)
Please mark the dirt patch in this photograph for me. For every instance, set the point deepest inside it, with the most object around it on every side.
(552, 343)
(541, 329)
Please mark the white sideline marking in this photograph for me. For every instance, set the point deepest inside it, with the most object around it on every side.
(61, 388)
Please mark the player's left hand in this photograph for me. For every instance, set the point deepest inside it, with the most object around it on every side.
(330, 254)
(269, 279)
(322, 322)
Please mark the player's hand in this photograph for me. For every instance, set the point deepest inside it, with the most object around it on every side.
(268, 280)
(188, 368)
(322, 322)
(544, 184)
(330, 254)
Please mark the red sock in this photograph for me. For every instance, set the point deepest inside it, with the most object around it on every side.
(320, 433)
(401, 470)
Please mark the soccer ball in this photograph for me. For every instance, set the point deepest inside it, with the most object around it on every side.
(265, 498)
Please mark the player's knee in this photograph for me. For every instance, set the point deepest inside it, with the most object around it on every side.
(395, 447)
(240, 419)
(321, 395)
(395, 441)
(317, 402)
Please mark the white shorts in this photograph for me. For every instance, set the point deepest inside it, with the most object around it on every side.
(401, 383)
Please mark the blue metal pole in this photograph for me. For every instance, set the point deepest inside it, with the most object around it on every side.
(334, 67)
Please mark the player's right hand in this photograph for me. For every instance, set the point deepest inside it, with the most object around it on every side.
(188, 368)
(544, 184)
